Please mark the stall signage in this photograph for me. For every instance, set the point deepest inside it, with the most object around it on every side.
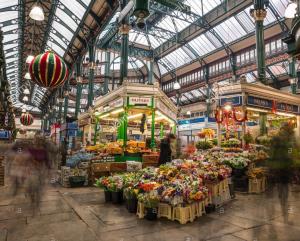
(287, 107)
(235, 101)
(139, 101)
(116, 103)
(259, 102)
(191, 121)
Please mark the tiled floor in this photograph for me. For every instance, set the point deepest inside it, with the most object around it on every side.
(82, 215)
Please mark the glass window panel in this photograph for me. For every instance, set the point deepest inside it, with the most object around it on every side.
(58, 40)
(202, 45)
(230, 30)
(8, 3)
(62, 30)
(66, 19)
(75, 7)
(56, 48)
(246, 20)
(280, 6)
(5, 16)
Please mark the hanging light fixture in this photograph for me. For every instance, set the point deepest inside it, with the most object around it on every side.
(25, 98)
(27, 76)
(26, 91)
(29, 59)
(176, 86)
(37, 13)
(291, 10)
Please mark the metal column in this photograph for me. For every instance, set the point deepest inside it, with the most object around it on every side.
(293, 75)
(79, 86)
(259, 13)
(66, 95)
(150, 73)
(91, 72)
(208, 91)
(107, 72)
(124, 31)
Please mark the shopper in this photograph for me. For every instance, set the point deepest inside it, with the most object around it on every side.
(165, 149)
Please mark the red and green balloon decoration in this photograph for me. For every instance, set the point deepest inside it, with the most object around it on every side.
(48, 70)
(26, 119)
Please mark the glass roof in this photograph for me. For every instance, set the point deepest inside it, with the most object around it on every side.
(65, 23)
(229, 31)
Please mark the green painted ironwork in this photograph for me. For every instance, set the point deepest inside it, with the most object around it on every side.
(161, 131)
(91, 73)
(107, 72)
(259, 13)
(263, 123)
(79, 86)
(153, 144)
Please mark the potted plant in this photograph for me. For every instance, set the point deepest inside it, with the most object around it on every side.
(150, 201)
(130, 194)
(203, 145)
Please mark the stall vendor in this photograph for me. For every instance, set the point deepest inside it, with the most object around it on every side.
(165, 149)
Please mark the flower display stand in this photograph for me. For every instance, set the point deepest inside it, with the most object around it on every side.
(257, 185)
(183, 214)
(164, 210)
(213, 188)
(140, 210)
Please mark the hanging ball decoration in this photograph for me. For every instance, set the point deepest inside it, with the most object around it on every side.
(26, 119)
(48, 70)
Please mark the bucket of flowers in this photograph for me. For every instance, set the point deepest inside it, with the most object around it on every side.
(104, 183)
(150, 201)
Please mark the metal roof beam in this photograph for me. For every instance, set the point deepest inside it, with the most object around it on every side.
(134, 51)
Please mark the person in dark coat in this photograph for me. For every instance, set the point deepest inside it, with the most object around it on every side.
(165, 149)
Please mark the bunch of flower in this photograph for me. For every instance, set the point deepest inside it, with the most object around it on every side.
(111, 183)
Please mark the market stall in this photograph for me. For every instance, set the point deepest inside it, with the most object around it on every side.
(257, 109)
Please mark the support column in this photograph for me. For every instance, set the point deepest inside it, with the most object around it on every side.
(263, 123)
(96, 130)
(293, 78)
(60, 105)
(219, 134)
(107, 72)
(125, 124)
(153, 145)
(91, 72)
(79, 86)
(124, 31)
(208, 91)
(297, 130)
(150, 74)
(259, 13)
(66, 95)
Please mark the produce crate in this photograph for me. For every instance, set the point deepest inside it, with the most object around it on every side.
(150, 158)
(257, 185)
(118, 167)
(164, 210)
(140, 210)
(183, 214)
(101, 167)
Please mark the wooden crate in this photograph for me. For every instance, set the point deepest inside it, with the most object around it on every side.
(118, 166)
(149, 165)
(257, 185)
(150, 158)
(100, 167)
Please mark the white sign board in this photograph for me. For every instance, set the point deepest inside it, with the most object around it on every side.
(139, 101)
(163, 108)
(116, 103)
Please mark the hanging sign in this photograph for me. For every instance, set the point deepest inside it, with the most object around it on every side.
(234, 101)
(139, 101)
(259, 102)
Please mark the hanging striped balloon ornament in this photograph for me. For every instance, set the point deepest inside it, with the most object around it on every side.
(26, 119)
(48, 70)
